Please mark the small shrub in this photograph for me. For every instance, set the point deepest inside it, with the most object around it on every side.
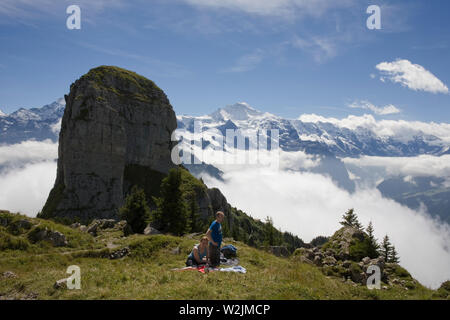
(361, 249)
(401, 272)
(135, 210)
(10, 242)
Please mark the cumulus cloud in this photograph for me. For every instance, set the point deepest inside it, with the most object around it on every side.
(402, 130)
(309, 205)
(410, 75)
(26, 189)
(366, 105)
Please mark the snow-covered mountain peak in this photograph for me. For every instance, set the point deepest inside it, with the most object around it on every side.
(240, 111)
(2, 114)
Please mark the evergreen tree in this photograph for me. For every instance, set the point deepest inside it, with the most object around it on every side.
(135, 210)
(172, 213)
(269, 232)
(193, 211)
(350, 219)
(373, 244)
(386, 248)
(394, 258)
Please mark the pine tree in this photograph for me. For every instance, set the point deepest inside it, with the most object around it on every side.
(373, 244)
(386, 248)
(394, 258)
(193, 212)
(135, 210)
(172, 213)
(269, 232)
(350, 219)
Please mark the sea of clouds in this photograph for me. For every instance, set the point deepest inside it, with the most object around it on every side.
(306, 204)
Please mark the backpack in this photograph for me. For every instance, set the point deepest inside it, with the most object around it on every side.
(229, 251)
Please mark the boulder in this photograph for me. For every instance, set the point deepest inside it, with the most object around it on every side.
(9, 275)
(55, 237)
(307, 253)
(118, 254)
(330, 260)
(318, 261)
(75, 225)
(60, 284)
(279, 251)
(24, 224)
(149, 231)
(303, 259)
(366, 260)
(100, 224)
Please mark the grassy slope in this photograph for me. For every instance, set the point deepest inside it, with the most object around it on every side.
(146, 273)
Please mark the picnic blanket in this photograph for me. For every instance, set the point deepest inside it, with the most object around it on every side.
(237, 269)
(204, 269)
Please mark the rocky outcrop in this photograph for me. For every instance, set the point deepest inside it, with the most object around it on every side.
(337, 258)
(100, 224)
(115, 133)
(279, 251)
(56, 238)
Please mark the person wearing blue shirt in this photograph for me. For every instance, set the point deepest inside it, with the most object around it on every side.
(214, 235)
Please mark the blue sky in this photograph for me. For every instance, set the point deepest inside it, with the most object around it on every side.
(287, 57)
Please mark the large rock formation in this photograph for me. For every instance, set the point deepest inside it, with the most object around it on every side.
(115, 132)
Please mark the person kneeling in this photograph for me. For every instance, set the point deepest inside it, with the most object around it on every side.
(199, 254)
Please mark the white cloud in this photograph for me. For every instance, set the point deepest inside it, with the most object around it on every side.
(410, 75)
(309, 205)
(247, 62)
(423, 165)
(273, 7)
(26, 189)
(28, 152)
(366, 105)
(400, 129)
(321, 48)
(27, 9)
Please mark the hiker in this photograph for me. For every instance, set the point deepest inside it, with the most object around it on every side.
(199, 253)
(214, 235)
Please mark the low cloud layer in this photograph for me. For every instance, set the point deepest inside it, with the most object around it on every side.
(305, 204)
(412, 76)
(26, 152)
(424, 165)
(310, 205)
(26, 189)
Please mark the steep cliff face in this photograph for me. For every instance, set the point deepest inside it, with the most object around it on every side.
(115, 132)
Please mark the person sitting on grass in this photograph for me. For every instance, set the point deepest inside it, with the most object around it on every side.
(214, 235)
(199, 254)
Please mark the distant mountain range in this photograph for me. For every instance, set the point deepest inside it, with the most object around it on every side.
(315, 137)
(327, 140)
(322, 136)
(36, 123)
